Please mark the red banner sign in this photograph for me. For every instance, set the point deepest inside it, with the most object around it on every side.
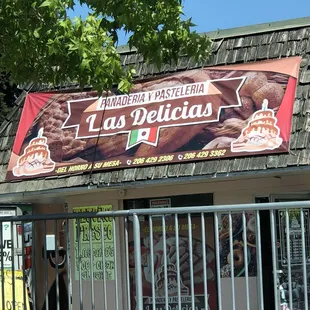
(201, 114)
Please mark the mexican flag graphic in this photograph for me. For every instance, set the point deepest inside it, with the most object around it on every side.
(145, 135)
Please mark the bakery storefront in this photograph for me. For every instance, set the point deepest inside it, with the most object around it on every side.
(212, 136)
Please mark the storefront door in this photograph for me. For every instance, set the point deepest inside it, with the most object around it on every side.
(167, 238)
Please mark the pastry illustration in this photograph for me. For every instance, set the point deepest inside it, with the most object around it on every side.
(172, 264)
(236, 259)
(251, 235)
(254, 81)
(236, 225)
(238, 255)
(172, 281)
(52, 118)
(36, 158)
(260, 134)
(183, 258)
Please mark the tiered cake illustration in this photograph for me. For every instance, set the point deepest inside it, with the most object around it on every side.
(36, 158)
(172, 280)
(260, 134)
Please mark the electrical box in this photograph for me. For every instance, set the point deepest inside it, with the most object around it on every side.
(50, 243)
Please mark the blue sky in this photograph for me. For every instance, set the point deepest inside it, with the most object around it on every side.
(212, 15)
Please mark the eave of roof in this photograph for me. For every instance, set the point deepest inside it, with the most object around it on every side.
(244, 30)
(68, 189)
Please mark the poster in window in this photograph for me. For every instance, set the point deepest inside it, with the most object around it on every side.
(239, 250)
(87, 243)
(172, 265)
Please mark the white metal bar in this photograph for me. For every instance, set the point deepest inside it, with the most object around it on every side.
(246, 263)
(177, 244)
(138, 270)
(232, 267)
(231, 250)
(105, 299)
(79, 264)
(218, 261)
(152, 262)
(127, 262)
(92, 289)
(304, 257)
(191, 269)
(259, 261)
(204, 259)
(288, 252)
(115, 262)
(159, 211)
(68, 261)
(165, 261)
(274, 259)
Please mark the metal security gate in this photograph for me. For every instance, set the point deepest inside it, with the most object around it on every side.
(155, 259)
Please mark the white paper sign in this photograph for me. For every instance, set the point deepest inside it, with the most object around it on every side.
(7, 239)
